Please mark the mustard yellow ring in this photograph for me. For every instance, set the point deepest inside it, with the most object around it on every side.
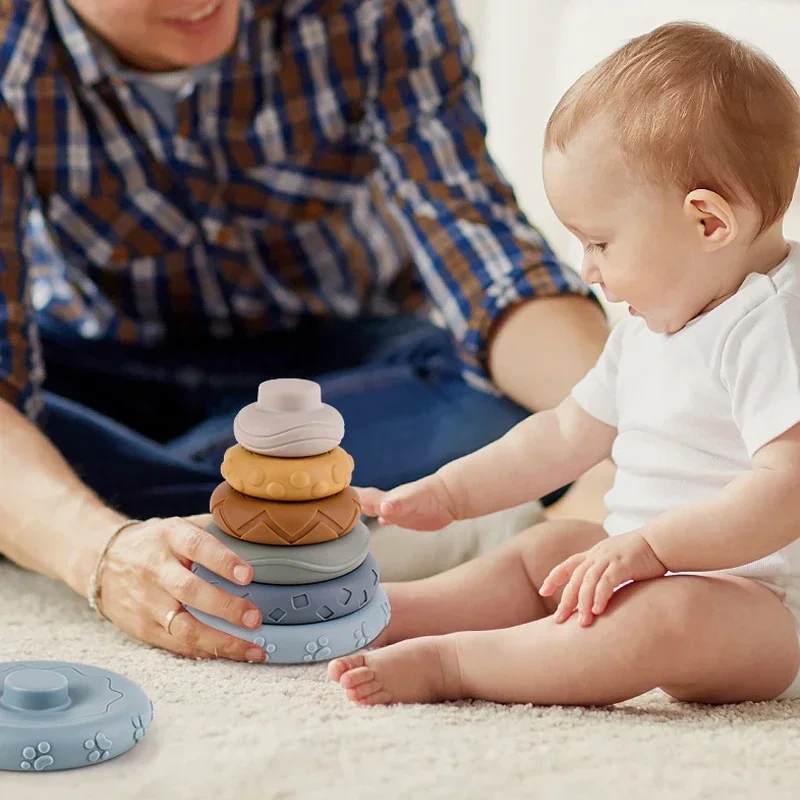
(288, 479)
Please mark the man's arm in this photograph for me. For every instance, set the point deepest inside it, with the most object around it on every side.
(50, 522)
(573, 330)
(754, 516)
(42, 502)
(471, 244)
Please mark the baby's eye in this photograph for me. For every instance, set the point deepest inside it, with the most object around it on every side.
(599, 246)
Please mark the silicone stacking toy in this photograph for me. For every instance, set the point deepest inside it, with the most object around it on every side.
(301, 604)
(309, 564)
(287, 508)
(289, 420)
(272, 522)
(55, 715)
(319, 641)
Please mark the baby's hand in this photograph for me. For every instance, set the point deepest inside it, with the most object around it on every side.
(424, 505)
(592, 577)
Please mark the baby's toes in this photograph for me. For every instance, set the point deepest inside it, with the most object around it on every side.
(365, 689)
(340, 666)
(369, 694)
(355, 678)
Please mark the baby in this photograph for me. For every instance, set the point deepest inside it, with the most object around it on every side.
(673, 161)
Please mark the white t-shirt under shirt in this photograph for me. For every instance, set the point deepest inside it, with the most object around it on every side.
(691, 408)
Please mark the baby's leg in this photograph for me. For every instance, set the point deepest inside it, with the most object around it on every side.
(700, 639)
(497, 590)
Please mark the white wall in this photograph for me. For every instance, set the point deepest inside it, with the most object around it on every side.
(530, 51)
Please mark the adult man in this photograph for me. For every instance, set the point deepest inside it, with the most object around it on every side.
(197, 195)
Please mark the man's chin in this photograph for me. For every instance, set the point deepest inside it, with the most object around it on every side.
(187, 57)
(184, 53)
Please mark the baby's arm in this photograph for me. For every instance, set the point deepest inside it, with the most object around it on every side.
(759, 512)
(539, 455)
(755, 515)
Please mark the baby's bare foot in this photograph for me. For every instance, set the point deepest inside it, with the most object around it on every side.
(414, 671)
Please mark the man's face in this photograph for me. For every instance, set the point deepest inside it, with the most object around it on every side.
(163, 34)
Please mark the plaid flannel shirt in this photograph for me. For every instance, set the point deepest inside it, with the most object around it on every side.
(334, 163)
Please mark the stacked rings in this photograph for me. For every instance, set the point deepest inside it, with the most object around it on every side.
(286, 507)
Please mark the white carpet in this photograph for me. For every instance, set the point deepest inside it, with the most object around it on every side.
(238, 731)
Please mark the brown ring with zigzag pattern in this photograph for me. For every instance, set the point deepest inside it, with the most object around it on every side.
(279, 523)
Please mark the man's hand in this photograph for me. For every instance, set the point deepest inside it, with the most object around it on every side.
(591, 577)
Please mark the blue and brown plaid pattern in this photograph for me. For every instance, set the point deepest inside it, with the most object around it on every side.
(333, 164)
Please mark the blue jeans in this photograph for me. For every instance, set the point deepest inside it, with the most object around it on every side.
(147, 430)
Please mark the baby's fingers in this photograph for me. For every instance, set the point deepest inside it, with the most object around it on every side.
(569, 597)
(560, 575)
(399, 502)
(370, 498)
(603, 593)
(588, 592)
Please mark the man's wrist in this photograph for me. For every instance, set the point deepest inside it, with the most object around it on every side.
(85, 549)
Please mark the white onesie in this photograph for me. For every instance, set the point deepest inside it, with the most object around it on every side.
(691, 408)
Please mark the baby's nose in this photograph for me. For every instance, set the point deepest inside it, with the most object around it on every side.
(589, 272)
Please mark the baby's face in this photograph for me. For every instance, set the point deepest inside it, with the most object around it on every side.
(639, 246)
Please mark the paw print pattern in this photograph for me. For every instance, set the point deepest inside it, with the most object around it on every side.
(100, 746)
(37, 758)
(269, 649)
(138, 727)
(361, 637)
(319, 650)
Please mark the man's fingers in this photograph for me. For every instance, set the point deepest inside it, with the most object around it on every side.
(192, 590)
(197, 636)
(195, 544)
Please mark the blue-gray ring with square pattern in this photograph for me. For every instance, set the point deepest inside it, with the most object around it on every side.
(302, 604)
(319, 641)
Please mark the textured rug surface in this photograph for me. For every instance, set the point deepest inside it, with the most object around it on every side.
(238, 731)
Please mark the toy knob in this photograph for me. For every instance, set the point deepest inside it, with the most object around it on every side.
(35, 690)
(289, 394)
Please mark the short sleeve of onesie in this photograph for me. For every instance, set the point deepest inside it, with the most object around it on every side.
(760, 368)
(596, 393)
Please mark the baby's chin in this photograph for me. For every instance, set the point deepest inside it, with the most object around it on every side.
(659, 325)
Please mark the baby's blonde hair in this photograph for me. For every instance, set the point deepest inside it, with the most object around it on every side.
(695, 108)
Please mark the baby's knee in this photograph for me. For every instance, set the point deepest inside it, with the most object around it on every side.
(669, 607)
(557, 540)
(545, 546)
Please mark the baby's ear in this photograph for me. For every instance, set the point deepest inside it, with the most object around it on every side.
(712, 218)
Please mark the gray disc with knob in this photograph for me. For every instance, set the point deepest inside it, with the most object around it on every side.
(56, 715)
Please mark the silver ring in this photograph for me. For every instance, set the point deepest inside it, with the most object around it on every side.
(171, 616)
